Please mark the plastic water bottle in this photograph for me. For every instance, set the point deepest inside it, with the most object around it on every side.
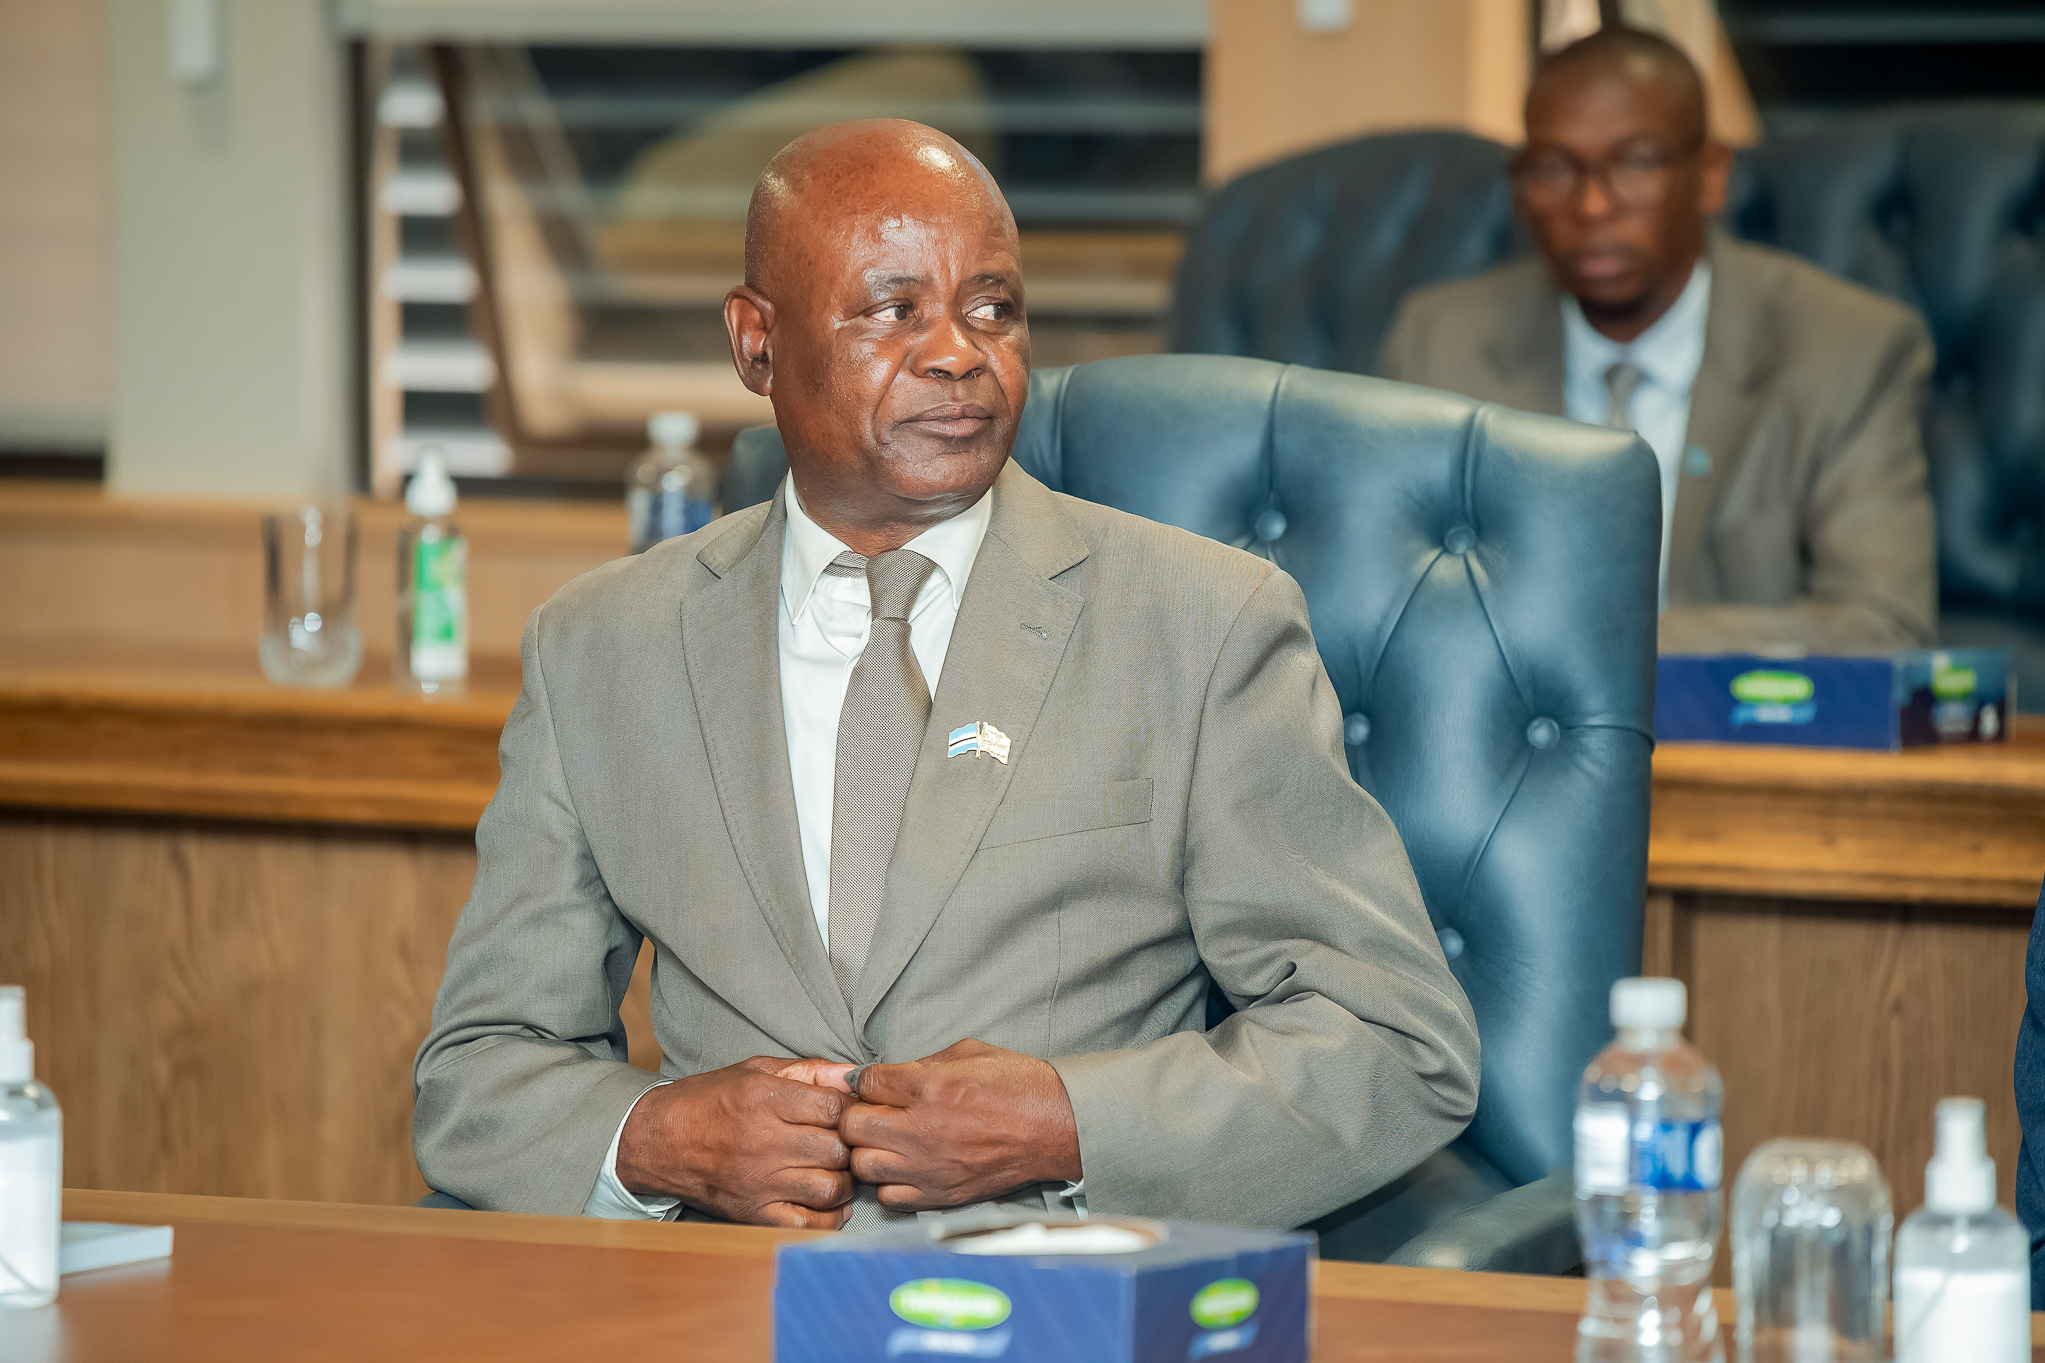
(1963, 1264)
(31, 1166)
(1648, 1158)
(672, 488)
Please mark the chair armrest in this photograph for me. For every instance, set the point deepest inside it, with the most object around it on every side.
(1522, 1230)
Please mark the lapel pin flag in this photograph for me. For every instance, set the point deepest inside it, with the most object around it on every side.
(979, 738)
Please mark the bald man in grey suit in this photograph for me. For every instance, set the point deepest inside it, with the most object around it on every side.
(943, 801)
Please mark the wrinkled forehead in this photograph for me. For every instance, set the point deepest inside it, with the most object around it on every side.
(868, 241)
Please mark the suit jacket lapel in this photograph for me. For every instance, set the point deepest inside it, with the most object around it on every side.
(1525, 353)
(731, 642)
(1739, 352)
(1010, 636)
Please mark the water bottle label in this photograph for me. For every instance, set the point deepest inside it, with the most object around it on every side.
(1616, 1154)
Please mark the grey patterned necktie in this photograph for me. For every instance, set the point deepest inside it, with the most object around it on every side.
(880, 731)
(1620, 381)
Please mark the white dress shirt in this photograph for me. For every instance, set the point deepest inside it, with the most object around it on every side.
(823, 624)
(1668, 355)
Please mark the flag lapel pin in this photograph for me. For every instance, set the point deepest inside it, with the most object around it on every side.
(979, 738)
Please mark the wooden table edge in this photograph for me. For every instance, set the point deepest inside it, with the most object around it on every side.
(1346, 1281)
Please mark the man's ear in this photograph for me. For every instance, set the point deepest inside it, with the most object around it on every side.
(749, 321)
(1716, 177)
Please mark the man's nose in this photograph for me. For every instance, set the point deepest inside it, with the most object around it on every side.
(1594, 195)
(949, 350)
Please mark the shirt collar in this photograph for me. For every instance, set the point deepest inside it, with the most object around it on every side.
(808, 549)
(1668, 352)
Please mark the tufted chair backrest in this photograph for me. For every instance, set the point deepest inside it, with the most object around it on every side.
(1482, 588)
(1304, 261)
(1941, 206)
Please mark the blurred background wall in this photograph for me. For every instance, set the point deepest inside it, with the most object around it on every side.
(54, 349)
(230, 224)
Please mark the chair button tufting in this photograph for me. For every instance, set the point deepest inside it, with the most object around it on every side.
(1451, 943)
(1544, 733)
(1270, 524)
(1459, 539)
(1355, 729)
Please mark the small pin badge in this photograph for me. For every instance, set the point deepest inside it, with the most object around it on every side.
(1697, 461)
(979, 738)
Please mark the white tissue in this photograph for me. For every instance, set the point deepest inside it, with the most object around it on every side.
(1035, 1237)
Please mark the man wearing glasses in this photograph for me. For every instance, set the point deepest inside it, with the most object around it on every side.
(1783, 405)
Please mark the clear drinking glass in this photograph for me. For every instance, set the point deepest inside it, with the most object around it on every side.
(1811, 1228)
(309, 634)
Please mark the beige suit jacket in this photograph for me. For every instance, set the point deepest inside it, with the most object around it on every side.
(1176, 805)
(1809, 523)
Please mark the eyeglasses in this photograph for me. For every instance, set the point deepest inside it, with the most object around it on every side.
(1635, 176)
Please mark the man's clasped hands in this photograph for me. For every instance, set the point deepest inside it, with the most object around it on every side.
(779, 1142)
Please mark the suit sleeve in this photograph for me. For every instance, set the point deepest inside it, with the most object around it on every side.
(522, 1081)
(1872, 580)
(1354, 1055)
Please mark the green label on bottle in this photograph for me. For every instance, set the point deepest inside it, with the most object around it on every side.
(439, 609)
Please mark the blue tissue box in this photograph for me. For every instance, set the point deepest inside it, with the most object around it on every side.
(1952, 695)
(1195, 1292)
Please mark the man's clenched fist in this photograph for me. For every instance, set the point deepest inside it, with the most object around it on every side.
(756, 1142)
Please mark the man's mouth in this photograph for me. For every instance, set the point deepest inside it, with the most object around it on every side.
(953, 420)
(1601, 263)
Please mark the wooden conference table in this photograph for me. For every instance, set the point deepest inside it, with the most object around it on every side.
(325, 1281)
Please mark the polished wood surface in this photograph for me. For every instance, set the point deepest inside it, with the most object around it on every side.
(251, 1279)
(213, 739)
(254, 1280)
(1955, 825)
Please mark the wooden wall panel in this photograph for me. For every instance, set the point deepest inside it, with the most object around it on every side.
(169, 576)
(1274, 88)
(1852, 1020)
(232, 1008)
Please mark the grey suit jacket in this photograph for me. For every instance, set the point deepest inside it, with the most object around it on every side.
(1809, 522)
(1176, 806)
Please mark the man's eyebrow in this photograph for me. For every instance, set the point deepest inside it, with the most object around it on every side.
(993, 277)
(895, 283)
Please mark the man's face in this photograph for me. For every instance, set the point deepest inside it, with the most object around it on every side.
(1616, 184)
(897, 352)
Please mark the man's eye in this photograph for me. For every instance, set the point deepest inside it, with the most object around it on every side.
(993, 310)
(894, 312)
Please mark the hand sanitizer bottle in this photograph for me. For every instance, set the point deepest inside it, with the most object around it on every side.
(31, 1166)
(1963, 1264)
(432, 655)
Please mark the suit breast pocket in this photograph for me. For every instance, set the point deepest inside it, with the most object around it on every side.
(1081, 807)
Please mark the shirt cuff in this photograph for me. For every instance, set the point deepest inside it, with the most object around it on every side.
(610, 1200)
